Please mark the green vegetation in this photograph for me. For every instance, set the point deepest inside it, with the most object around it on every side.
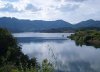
(87, 37)
(13, 60)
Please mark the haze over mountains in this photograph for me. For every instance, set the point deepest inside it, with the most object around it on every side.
(19, 25)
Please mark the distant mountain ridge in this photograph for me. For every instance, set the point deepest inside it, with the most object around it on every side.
(16, 25)
(19, 25)
(88, 23)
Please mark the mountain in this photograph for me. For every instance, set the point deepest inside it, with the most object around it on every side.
(17, 25)
(88, 23)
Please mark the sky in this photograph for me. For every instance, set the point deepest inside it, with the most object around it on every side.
(72, 11)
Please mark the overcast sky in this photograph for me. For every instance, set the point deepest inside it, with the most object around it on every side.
(72, 11)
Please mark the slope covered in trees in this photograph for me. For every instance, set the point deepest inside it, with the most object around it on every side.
(13, 60)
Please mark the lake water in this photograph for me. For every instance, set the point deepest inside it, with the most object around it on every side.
(61, 51)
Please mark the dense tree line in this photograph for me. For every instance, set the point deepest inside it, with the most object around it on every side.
(13, 60)
(87, 37)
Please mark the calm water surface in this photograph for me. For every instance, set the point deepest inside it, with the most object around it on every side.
(56, 47)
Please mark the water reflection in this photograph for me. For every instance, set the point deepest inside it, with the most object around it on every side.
(40, 39)
(70, 57)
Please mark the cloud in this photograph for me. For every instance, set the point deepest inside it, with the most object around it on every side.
(76, 0)
(10, 0)
(32, 8)
(8, 8)
(68, 7)
(70, 0)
